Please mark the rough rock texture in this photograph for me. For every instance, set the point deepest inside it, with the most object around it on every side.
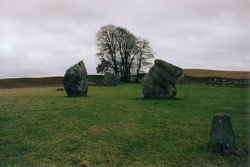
(75, 80)
(111, 79)
(160, 81)
(222, 137)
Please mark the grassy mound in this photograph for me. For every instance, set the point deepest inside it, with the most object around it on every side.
(192, 76)
(44, 82)
(114, 126)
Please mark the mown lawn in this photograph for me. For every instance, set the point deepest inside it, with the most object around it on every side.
(114, 126)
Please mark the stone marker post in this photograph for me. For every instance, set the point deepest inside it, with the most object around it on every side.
(222, 137)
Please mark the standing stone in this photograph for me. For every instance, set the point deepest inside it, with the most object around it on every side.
(111, 79)
(222, 137)
(160, 81)
(75, 80)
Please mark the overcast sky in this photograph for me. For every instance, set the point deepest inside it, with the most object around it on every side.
(45, 37)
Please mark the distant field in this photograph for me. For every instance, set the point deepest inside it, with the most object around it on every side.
(114, 126)
(216, 73)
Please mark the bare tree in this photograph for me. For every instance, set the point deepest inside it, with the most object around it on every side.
(127, 45)
(121, 52)
(107, 46)
(143, 55)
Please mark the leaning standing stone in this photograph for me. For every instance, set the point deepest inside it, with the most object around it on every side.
(222, 137)
(75, 80)
(160, 81)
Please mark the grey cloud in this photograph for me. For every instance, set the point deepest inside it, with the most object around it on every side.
(46, 37)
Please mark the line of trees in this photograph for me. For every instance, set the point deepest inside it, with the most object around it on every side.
(122, 53)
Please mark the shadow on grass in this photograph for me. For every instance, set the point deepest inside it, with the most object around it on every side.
(158, 99)
(76, 97)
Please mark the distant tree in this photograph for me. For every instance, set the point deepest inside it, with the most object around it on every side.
(143, 55)
(107, 46)
(121, 52)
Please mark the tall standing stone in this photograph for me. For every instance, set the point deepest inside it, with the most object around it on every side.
(161, 79)
(75, 80)
(222, 137)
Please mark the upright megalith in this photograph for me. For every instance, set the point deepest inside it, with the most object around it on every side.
(161, 79)
(222, 137)
(75, 80)
(111, 79)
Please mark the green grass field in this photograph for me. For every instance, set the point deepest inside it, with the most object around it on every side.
(114, 126)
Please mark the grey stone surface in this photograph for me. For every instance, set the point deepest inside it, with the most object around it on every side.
(111, 79)
(161, 79)
(75, 80)
(222, 137)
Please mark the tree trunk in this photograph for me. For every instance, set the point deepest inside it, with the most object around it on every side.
(138, 70)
